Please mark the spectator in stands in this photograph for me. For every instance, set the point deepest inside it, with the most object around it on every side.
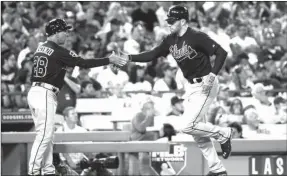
(14, 38)
(112, 77)
(167, 82)
(219, 117)
(258, 31)
(253, 129)
(270, 49)
(137, 80)
(237, 130)
(8, 72)
(133, 44)
(263, 77)
(161, 14)
(30, 48)
(177, 107)
(89, 53)
(279, 38)
(263, 104)
(223, 98)
(9, 68)
(217, 34)
(111, 36)
(96, 45)
(114, 11)
(23, 82)
(243, 43)
(5, 99)
(282, 74)
(90, 89)
(71, 126)
(142, 120)
(280, 105)
(87, 74)
(146, 14)
(83, 75)
(236, 111)
(68, 94)
(245, 71)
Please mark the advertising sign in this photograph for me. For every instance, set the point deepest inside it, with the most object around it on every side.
(169, 163)
(268, 165)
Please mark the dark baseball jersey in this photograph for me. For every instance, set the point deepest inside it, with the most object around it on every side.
(191, 51)
(51, 61)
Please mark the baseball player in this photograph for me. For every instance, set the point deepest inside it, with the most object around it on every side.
(50, 63)
(192, 50)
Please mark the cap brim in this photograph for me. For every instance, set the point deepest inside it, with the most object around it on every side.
(171, 20)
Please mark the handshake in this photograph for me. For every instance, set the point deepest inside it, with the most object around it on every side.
(119, 60)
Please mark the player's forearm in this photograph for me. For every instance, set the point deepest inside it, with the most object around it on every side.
(90, 63)
(221, 55)
(146, 56)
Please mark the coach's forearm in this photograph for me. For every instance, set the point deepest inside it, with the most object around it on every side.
(221, 55)
(90, 63)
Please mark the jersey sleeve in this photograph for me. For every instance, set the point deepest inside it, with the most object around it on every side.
(71, 59)
(160, 50)
(206, 44)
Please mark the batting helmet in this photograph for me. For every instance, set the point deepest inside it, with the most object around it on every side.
(56, 25)
(177, 12)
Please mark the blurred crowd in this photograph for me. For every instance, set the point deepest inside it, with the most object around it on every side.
(253, 33)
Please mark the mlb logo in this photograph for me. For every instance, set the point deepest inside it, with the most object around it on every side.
(169, 163)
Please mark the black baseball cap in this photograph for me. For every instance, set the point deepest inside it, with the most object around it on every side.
(56, 25)
(175, 100)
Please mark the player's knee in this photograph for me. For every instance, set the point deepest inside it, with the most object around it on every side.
(189, 128)
(45, 136)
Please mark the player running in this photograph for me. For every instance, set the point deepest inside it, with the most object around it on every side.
(192, 50)
(50, 64)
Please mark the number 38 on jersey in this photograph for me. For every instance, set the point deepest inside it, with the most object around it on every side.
(40, 66)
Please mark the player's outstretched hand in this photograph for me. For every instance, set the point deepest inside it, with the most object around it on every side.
(119, 60)
(208, 83)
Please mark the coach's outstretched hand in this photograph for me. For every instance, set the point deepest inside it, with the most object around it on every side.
(119, 60)
(168, 131)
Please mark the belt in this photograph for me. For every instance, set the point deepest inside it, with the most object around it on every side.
(195, 80)
(47, 86)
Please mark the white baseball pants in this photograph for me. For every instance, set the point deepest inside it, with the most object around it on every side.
(42, 103)
(196, 105)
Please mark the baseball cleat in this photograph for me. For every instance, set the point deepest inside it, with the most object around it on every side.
(224, 173)
(226, 147)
